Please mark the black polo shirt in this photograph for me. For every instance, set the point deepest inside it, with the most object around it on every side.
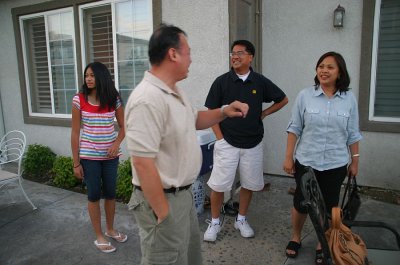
(243, 132)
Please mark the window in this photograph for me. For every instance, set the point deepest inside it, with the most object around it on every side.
(59, 39)
(119, 41)
(50, 64)
(380, 66)
(98, 41)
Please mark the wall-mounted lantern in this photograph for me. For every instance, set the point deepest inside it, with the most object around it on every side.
(338, 16)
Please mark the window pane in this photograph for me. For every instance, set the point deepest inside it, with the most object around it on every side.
(62, 100)
(134, 25)
(123, 16)
(126, 82)
(62, 52)
(62, 60)
(98, 32)
(37, 64)
(387, 93)
(140, 67)
(63, 77)
(125, 47)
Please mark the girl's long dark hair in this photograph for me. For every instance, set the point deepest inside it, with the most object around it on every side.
(343, 82)
(106, 91)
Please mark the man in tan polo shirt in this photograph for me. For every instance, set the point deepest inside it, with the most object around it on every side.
(166, 158)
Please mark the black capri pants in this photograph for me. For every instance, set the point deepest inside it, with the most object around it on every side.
(329, 182)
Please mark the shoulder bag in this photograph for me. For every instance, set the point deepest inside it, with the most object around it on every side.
(346, 247)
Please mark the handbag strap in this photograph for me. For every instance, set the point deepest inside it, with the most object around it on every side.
(354, 183)
(345, 192)
(336, 217)
(351, 182)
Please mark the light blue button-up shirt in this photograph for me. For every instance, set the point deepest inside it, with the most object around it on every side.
(324, 127)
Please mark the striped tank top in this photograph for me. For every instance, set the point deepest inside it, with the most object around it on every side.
(97, 131)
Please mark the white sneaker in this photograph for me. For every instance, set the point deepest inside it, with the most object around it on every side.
(244, 227)
(212, 231)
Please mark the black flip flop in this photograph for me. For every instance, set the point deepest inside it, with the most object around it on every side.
(293, 246)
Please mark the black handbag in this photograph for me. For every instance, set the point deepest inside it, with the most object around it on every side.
(351, 200)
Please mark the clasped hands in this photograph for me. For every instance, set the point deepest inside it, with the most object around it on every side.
(236, 109)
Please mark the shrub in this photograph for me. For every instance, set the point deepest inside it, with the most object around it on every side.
(124, 181)
(38, 161)
(63, 173)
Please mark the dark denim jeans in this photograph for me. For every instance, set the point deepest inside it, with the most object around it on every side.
(100, 175)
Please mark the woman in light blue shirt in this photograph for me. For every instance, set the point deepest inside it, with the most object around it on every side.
(324, 125)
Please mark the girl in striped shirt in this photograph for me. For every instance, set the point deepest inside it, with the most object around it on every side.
(96, 147)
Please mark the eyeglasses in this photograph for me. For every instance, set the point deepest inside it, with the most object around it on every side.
(239, 54)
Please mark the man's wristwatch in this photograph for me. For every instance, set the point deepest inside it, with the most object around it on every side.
(222, 110)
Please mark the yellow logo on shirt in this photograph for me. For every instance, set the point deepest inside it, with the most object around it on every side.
(254, 91)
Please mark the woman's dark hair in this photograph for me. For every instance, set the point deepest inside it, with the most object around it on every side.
(162, 39)
(105, 88)
(249, 46)
(343, 81)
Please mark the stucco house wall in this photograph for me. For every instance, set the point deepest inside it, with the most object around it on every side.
(294, 35)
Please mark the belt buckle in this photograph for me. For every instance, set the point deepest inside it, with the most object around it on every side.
(177, 189)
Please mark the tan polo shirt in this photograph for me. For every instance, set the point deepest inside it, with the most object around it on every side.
(160, 124)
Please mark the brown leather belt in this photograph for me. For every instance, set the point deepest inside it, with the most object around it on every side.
(170, 190)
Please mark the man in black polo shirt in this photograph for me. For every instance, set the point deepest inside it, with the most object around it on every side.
(239, 141)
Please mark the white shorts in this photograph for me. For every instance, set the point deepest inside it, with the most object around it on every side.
(228, 158)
